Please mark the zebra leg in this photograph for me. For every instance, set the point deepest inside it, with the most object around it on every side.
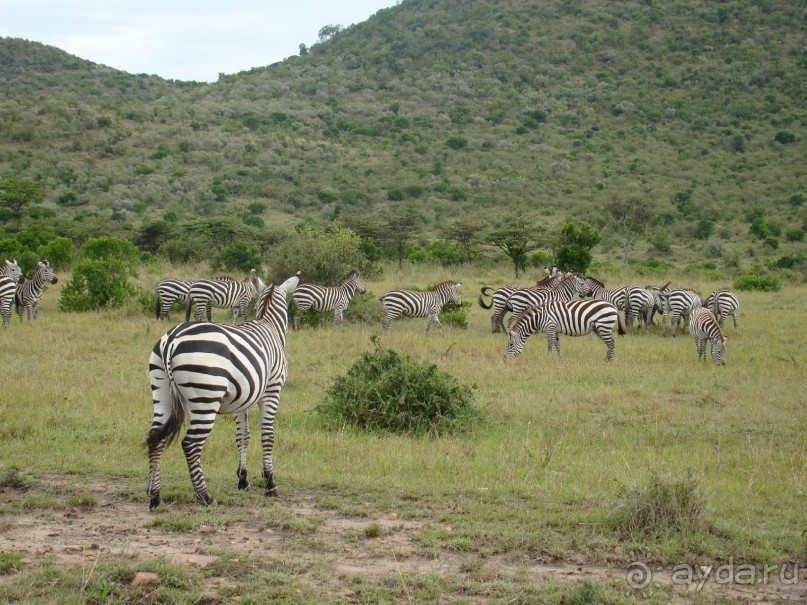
(674, 319)
(268, 407)
(338, 316)
(162, 398)
(436, 320)
(242, 441)
(608, 338)
(736, 327)
(200, 426)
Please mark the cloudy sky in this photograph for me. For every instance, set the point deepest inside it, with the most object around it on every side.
(180, 39)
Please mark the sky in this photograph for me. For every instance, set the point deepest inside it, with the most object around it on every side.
(180, 39)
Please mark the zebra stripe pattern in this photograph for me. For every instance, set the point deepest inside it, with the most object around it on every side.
(29, 291)
(723, 303)
(678, 303)
(499, 297)
(205, 369)
(640, 303)
(420, 304)
(704, 326)
(523, 299)
(223, 294)
(170, 291)
(323, 298)
(572, 318)
(10, 274)
(11, 269)
(596, 289)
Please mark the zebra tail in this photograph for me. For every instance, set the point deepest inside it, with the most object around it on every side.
(173, 425)
(481, 300)
(620, 329)
(157, 309)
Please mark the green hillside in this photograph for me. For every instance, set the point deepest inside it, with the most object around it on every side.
(455, 108)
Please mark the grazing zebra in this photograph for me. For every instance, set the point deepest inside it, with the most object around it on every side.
(11, 269)
(170, 291)
(420, 304)
(322, 298)
(10, 274)
(723, 303)
(523, 299)
(641, 303)
(223, 294)
(204, 369)
(704, 326)
(678, 303)
(29, 291)
(596, 289)
(500, 295)
(573, 318)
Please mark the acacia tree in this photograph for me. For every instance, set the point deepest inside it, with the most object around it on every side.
(399, 228)
(629, 218)
(516, 237)
(573, 250)
(17, 192)
(466, 233)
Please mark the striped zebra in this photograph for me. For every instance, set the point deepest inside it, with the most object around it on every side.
(523, 299)
(223, 294)
(204, 369)
(596, 289)
(704, 326)
(29, 291)
(641, 303)
(172, 290)
(678, 303)
(723, 303)
(500, 295)
(420, 304)
(572, 318)
(10, 275)
(322, 298)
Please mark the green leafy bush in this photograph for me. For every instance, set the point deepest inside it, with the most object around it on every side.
(237, 257)
(390, 392)
(96, 284)
(757, 280)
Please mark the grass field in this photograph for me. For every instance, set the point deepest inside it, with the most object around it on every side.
(569, 449)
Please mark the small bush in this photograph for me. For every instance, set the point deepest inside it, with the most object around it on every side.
(455, 316)
(389, 392)
(96, 284)
(757, 280)
(10, 477)
(658, 509)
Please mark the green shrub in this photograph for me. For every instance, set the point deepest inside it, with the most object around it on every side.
(111, 248)
(757, 280)
(240, 256)
(455, 316)
(60, 252)
(308, 317)
(389, 392)
(96, 284)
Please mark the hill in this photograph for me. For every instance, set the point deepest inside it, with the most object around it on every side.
(455, 108)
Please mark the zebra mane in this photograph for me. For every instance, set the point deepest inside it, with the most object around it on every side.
(596, 281)
(524, 315)
(265, 301)
(350, 274)
(545, 280)
(448, 283)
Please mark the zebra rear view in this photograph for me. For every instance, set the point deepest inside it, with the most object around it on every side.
(202, 369)
(410, 303)
(223, 294)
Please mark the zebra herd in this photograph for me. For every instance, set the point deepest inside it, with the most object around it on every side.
(25, 294)
(548, 307)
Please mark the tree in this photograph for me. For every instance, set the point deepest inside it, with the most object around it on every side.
(398, 230)
(465, 232)
(326, 32)
(573, 251)
(221, 231)
(17, 192)
(629, 219)
(516, 237)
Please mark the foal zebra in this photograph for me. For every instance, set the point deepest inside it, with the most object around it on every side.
(322, 298)
(420, 304)
(704, 326)
(678, 303)
(29, 291)
(223, 294)
(723, 303)
(204, 369)
(10, 274)
(573, 318)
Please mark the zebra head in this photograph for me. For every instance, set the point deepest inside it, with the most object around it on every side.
(354, 278)
(257, 282)
(719, 350)
(11, 269)
(47, 272)
(454, 293)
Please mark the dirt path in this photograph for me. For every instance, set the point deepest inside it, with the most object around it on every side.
(115, 527)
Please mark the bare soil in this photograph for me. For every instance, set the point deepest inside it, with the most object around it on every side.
(117, 527)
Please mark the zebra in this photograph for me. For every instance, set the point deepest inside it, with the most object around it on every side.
(522, 299)
(678, 303)
(11, 269)
(10, 275)
(703, 326)
(641, 303)
(322, 298)
(573, 318)
(723, 303)
(202, 369)
(500, 295)
(223, 293)
(29, 291)
(173, 290)
(420, 304)
(596, 289)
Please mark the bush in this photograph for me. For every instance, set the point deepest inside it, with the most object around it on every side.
(60, 252)
(389, 392)
(96, 284)
(111, 248)
(237, 257)
(658, 509)
(455, 316)
(757, 280)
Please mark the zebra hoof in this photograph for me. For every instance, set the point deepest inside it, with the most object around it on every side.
(272, 492)
(155, 502)
(243, 484)
(206, 499)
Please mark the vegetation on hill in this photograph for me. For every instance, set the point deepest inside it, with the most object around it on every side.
(689, 113)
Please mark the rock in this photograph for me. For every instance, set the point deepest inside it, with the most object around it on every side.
(73, 548)
(145, 578)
